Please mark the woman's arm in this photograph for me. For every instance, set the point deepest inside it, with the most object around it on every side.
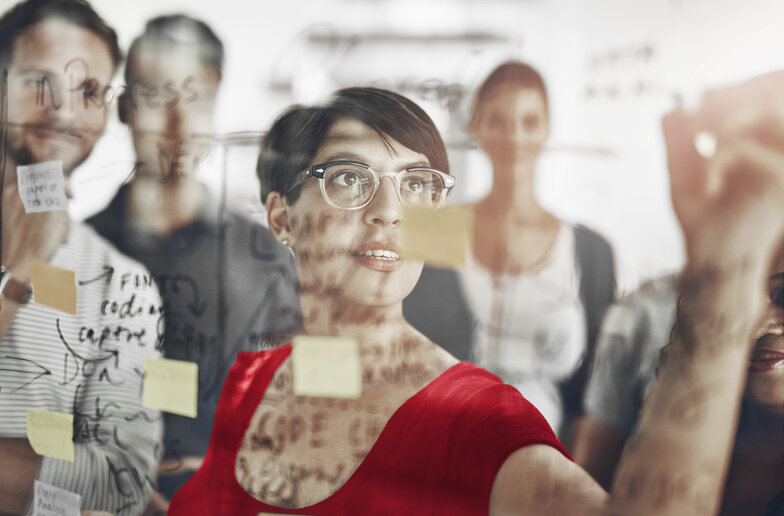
(731, 210)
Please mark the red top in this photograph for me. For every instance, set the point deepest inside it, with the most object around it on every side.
(439, 453)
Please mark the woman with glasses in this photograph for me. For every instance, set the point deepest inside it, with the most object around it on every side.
(536, 285)
(431, 435)
(428, 433)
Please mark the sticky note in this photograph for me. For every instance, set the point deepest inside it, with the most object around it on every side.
(42, 186)
(51, 433)
(53, 286)
(326, 367)
(439, 237)
(49, 500)
(171, 385)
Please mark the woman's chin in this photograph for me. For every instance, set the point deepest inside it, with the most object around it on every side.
(383, 289)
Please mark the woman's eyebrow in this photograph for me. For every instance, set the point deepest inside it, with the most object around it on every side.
(346, 155)
(350, 156)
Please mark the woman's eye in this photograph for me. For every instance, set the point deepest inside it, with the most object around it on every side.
(345, 178)
(415, 185)
(495, 122)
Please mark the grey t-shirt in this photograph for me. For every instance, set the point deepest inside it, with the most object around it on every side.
(632, 334)
(226, 284)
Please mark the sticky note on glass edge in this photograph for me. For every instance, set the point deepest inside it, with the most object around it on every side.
(53, 286)
(49, 500)
(171, 385)
(326, 367)
(51, 433)
(42, 186)
(439, 237)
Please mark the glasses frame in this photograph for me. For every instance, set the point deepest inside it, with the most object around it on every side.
(318, 171)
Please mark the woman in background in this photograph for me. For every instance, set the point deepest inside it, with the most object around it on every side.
(537, 285)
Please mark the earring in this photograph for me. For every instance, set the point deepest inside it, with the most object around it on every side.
(285, 242)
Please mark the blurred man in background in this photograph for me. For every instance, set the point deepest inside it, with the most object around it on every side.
(225, 281)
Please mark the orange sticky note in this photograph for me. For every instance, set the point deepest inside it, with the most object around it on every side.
(51, 433)
(439, 237)
(53, 286)
(171, 385)
(326, 367)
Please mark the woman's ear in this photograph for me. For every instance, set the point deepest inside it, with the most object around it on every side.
(277, 218)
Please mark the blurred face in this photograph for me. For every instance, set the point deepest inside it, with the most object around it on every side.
(171, 117)
(353, 254)
(511, 125)
(55, 79)
(765, 383)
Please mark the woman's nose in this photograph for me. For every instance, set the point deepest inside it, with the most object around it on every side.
(385, 207)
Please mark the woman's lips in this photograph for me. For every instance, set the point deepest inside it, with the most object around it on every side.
(378, 264)
(764, 360)
(378, 256)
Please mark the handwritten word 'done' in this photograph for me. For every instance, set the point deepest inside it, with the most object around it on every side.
(326, 367)
(53, 286)
(171, 385)
(51, 433)
(42, 186)
(50, 500)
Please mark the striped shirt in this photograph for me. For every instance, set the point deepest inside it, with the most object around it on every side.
(90, 365)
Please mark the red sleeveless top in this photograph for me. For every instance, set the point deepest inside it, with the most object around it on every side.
(439, 453)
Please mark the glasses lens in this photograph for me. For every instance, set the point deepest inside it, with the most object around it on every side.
(348, 186)
(422, 188)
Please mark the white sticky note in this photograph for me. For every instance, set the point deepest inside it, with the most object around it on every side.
(51, 433)
(49, 500)
(171, 385)
(326, 367)
(42, 186)
(439, 237)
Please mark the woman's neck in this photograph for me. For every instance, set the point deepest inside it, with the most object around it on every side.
(371, 325)
(513, 233)
(512, 197)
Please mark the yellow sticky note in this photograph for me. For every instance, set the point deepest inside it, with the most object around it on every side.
(439, 237)
(326, 367)
(51, 433)
(53, 286)
(171, 385)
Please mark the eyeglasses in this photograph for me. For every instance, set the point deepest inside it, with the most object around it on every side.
(351, 185)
